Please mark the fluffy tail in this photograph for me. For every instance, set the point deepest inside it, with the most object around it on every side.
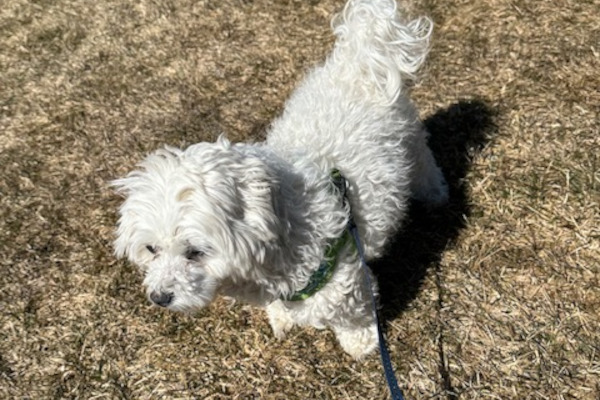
(377, 47)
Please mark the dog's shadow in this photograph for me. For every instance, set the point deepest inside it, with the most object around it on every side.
(457, 134)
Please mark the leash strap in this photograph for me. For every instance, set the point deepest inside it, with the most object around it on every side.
(388, 369)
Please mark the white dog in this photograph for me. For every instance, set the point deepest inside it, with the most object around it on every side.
(254, 221)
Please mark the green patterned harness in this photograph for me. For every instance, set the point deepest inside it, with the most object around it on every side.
(323, 274)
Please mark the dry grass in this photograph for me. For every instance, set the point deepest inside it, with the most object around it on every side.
(494, 297)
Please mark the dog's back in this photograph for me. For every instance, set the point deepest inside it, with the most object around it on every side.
(351, 113)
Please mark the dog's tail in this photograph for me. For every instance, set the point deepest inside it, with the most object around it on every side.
(378, 47)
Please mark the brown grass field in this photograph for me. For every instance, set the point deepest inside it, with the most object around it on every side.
(495, 296)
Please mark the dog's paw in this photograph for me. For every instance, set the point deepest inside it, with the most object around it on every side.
(358, 342)
(279, 319)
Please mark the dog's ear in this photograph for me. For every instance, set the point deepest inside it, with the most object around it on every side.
(125, 228)
(143, 180)
(257, 187)
(158, 163)
(237, 179)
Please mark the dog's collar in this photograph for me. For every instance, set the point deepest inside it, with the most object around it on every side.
(323, 274)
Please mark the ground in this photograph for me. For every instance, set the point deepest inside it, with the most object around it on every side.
(494, 296)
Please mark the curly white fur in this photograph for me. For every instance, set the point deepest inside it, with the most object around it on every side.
(252, 220)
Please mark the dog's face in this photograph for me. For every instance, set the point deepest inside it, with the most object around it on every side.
(193, 219)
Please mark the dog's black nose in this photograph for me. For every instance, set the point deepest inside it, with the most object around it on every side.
(161, 298)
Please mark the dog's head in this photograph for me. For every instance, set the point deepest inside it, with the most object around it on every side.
(195, 218)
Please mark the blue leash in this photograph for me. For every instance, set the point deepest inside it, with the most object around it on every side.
(388, 369)
(340, 182)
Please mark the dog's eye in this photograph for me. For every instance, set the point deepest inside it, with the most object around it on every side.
(193, 254)
(151, 249)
